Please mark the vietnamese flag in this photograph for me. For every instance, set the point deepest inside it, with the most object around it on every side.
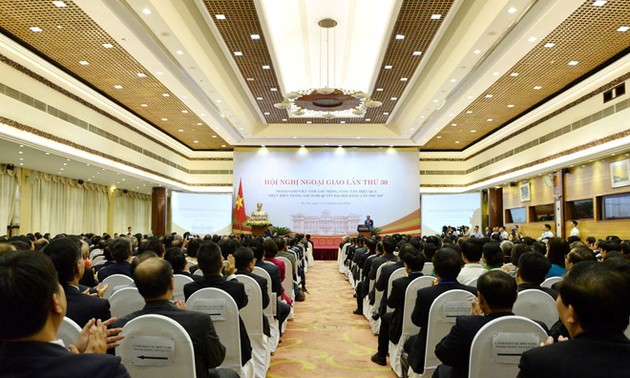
(239, 207)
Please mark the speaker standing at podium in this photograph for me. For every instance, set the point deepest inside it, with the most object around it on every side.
(369, 223)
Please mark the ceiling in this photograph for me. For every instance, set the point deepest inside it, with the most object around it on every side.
(206, 73)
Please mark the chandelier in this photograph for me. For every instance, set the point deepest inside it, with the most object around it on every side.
(327, 102)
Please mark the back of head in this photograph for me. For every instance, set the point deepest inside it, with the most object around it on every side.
(599, 296)
(610, 245)
(447, 264)
(228, 247)
(389, 245)
(533, 267)
(406, 248)
(270, 247)
(193, 247)
(557, 249)
(280, 243)
(209, 258)
(414, 260)
(120, 249)
(257, 246)
(64, 253)
(472, 250)
(243, 257)
(493, 254)
(152, 244)
(498, 288)
(370, 243)
(27, 283)
(581, 253)
(429, 250)
(176, 258)
(153, 277)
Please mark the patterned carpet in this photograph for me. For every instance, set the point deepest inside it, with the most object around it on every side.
(326, 339)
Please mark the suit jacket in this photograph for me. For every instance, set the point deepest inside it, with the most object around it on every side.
(83, 307)
(209, 352)
(291, 257)
(588, 355)
(397, 302)
(116, 268)
(529, 285)
(49, 360)
(265, 296)
(382, 283)
(274, 273)
(237, 292)
(454, 349)
(415, 346)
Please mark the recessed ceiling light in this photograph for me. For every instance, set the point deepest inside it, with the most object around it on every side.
(309, 122)
(436, 16)
(488, 96)
(453, 124)
(403, 79)
(537, 87)
(250, 79)
(435, 101)
(35, 29)
(379, 89)
(438, 137)
(84, 62)
(599, 3)
(573, 63)
(259, 98)
(262, 145)
(514, 74)
(47, 153)
(456, 142)
(388, 67)
(511, 10)
(623, 29)
(184, 111)
(453, 80)
(416, 53)
(266, 67)
(179, 52)
(400, 37)
(490, 119)
(146, 11)
(214, 136)
(284, 119)
(273, 89)
(164, 119)
(386, 113)
(477, 51)
(219, 16)
(238, 53)
(20, 152)
(199, 123)
(469, 112)
(59, 4)
(342, 121)
(266, 113)
(255, 36)
(549, 45)
(195, 141)
(165, 94)
(140, 74)
(394, 98)
(159, 73)
(473, 131)
(118, 86)
(532, 39)
(181, 130)
(510, 105)
(368, 119)
(108, 45)
(61, 169)
(144, 105)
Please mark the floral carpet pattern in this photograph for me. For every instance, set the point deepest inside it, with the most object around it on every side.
(326, 339)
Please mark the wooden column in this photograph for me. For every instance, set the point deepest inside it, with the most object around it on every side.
(558, 203)
(495, 207)
(159, 201)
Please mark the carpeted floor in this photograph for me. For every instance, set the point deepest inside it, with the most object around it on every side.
(326, 339)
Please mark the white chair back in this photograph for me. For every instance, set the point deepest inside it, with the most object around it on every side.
(224, 313)
(410, 301)
(310, 259)
(180, 281)
(125, 301)
(157, 346)
(198, 272)
(252, 313)
(270, 310)
(498, 345)
(400, 272)
(442, 314)
(472, 282)
(378, 294)
(69, 331)
(549, 282)
(536, 305)
(116, 281)
(287, 283)
(427, 269)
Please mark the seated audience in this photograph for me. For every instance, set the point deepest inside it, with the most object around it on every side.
(492, 256)
(178, 261)
(497, 294)
(154, 280)
(593, 305)
(472, 250)
(65, 253)
(120, 250)
(33, 307)
(557, 249)
(245, 261)
(532, 268)
(211, 263)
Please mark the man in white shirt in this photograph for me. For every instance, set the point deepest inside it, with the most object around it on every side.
(504, 235)
(471, 253)
(574, 230)
(547, 234)
(476, 232)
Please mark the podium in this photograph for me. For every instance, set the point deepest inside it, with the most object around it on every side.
(364, 231)
(258, 230)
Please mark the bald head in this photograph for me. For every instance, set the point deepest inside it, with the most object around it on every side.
(153, 278)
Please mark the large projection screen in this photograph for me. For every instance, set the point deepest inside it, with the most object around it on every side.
(455, 210)
(326, 192)
(201, 213)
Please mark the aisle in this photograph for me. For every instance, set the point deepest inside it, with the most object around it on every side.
(326, 339)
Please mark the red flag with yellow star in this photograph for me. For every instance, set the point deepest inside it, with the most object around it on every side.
(239, 206)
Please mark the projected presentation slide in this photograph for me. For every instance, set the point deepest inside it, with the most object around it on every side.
(450, 210)
(330, 191)
(207, 213)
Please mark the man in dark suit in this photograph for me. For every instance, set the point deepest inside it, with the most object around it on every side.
(361, 263)
(154, 280)
(245, 261)
(593, 305)
(269, 231)
(120, 250)
(382, 282)
(447, 264)
(210, 262)
(67, 258)
(531, 272)
(369, 223)
(33, 307)
(392, 322)
(497, 294)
